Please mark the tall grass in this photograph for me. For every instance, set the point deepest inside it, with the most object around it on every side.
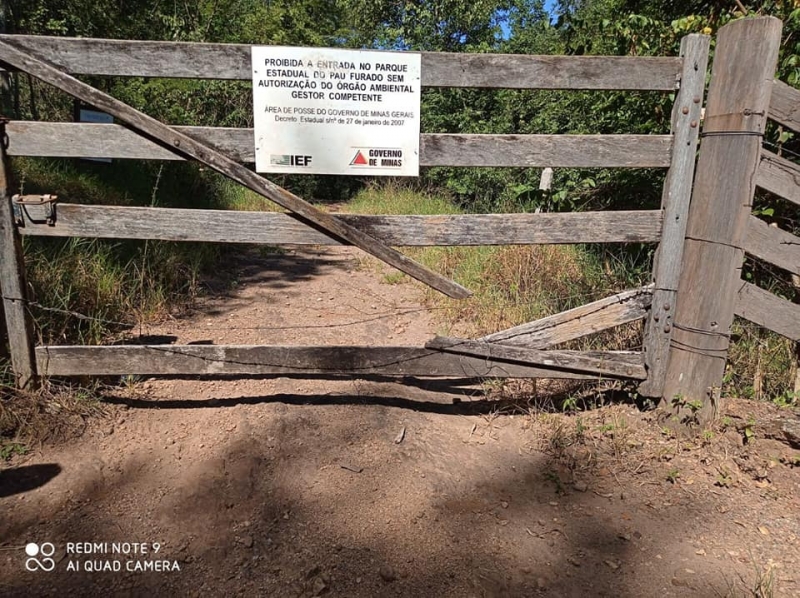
(517, 284)
(511, 284)
(85, 289)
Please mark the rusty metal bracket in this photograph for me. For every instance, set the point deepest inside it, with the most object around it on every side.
(20, 203)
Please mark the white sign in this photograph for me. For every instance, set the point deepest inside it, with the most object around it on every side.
(323, 111)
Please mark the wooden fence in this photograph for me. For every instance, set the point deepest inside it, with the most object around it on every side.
(769, 243)
(519, 352)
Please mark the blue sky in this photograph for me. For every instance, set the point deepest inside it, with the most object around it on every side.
(549, 5)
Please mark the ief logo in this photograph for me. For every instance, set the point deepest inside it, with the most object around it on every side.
(46, 550)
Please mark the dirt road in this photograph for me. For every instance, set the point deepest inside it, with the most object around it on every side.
(297, 487)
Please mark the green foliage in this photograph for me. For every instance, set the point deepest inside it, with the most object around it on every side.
(9, 449)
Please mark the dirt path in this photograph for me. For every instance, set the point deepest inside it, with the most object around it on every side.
(288, 487)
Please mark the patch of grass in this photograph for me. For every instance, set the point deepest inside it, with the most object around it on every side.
(762, 584)
(9, 449)
(394, 277)
(397, 199)
(86, 289)
(761, 364)
(52, 413)
(511, 284)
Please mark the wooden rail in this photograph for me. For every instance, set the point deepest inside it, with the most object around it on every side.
(773, 245)
(784, 106)
(572, 324)
(82, 140)
(615, 365)
(152, 360)
(779, 176)
(226, 226)
(765, 309)
(232, 61)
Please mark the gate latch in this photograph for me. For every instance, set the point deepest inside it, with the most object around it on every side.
(20, 204)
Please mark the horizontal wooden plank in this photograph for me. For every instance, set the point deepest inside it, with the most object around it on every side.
(232, 61)
(155, 360)
(784, 105)
(765, 309)
(557, 151)
(608, 312)
(86, 140)
(225, 226)
(773, 245)
(624, 365)
(779, 176)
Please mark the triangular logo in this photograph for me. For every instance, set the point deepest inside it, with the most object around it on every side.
(359, 159)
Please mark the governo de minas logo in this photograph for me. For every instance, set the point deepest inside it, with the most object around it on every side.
(39, 556)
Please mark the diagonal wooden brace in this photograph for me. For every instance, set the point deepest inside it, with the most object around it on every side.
(600, 363)
(206, 154)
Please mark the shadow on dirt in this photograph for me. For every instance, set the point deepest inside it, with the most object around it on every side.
(270, 271)
(16, 480)
(444, 397)
(318, 500)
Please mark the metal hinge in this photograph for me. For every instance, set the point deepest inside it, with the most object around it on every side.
(20, 202)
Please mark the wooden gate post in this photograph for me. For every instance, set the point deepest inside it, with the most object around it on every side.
(675, 198)
(736, 114)
(12, 284)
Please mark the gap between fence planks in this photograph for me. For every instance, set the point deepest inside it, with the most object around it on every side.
(228, 226)
(624, 365)
(152, 360)
(773, 245)
(232, 61)
(221, 163)
(765, 309)
(609, 312)
(784, 105)
(779, 176)
(88, 140)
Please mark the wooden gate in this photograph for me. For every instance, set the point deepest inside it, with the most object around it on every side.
(519, 352)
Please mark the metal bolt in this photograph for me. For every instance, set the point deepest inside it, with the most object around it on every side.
(685, 110)
(693, 124)
(656, 318)
(176, 143)
(667, 328)
(666, 307)
(696, 99)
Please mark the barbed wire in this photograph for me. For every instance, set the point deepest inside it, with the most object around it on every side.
(67, 312)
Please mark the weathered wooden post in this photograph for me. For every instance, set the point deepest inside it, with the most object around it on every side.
(5, 104)
(12, 283)
(677, 192)
(736, 114)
